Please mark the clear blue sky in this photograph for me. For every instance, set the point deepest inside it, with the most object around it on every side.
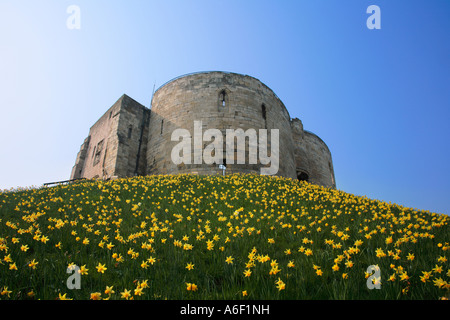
(380, 99)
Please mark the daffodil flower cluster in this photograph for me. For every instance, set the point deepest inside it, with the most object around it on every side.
(216, 237)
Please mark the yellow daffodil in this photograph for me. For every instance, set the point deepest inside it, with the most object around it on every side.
(138, 291)
(126, 294)
(404, 276)
(280, 284)
(6, 292)
(83, 270)
(426, 276)
(96, 296)
(63, 297)
(191, 287)
(437, 269)
(32, 264)
(109, 290)
(190, 266)
(101, 268)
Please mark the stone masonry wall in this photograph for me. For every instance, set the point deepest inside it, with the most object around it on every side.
(312, 156)
(321, 164)
(132, 134)
(109, 151)
(77, 169)
(102, 149)
(221, 101)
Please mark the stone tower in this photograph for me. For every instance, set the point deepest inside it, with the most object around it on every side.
(117, 143)
(130, 139)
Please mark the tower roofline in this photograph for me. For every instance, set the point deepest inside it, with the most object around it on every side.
(223, 72)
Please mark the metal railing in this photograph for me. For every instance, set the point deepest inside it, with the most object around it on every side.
(63, 182)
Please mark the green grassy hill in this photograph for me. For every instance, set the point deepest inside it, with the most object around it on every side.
(214, 237)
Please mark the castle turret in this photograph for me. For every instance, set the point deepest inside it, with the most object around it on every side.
(116, 144)
(221, 101)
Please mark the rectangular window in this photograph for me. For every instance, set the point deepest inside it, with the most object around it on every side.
(263, 111)
(97, 153)
(223, 98)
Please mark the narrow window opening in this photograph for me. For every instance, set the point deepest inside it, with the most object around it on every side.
(97, 153)
(222, 98)
(162, 126)
(130, 130)
(264, 115)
